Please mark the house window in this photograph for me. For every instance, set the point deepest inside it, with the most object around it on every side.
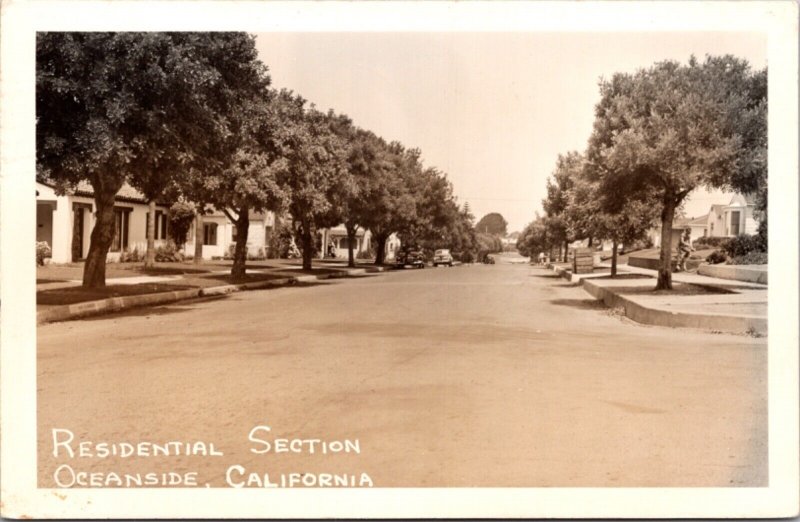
(735, 223)
(209, 233)
(161, 225)
(120, 241)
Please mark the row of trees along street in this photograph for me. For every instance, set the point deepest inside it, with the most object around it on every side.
(192, 118)
(659, 134)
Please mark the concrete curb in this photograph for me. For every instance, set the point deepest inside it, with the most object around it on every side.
(113, 304)
(654, 316)
(116, 304)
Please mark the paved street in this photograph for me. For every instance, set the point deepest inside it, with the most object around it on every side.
(486, 375)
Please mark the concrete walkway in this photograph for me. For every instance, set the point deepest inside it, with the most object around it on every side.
(725, 305)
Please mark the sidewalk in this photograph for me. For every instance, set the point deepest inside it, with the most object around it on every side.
(696, 301)
(65, 299)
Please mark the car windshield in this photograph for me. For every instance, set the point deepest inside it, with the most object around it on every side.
(442, 252)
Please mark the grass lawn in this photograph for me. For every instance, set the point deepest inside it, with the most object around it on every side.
(78, 294)
(205, 281)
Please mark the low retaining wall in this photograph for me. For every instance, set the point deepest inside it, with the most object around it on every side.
(649, 263)
(737, 273)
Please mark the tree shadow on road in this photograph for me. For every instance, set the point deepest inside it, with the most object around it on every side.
(582, 304)
(547, 276)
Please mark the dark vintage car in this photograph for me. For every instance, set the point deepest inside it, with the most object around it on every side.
(413, 258)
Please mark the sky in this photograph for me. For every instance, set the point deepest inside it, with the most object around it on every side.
(492, 110)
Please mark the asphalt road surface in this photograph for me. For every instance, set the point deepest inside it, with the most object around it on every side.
(485, 375)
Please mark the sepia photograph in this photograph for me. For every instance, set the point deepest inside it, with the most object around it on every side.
(447, 259)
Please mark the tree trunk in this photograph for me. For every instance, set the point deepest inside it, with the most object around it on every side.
(94, 270)
(351, 239)
(590, 242)
(150, 256)
(665, 271)
(239, 269)
(307, 239)
(380, 248)
(566, 251)
(198, 236)
(614, 258)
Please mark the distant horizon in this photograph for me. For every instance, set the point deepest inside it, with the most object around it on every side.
(492, 110)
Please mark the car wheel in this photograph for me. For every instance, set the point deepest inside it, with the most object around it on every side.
(435, 265)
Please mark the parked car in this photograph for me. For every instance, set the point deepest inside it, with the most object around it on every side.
(442, 257)
(414, 258)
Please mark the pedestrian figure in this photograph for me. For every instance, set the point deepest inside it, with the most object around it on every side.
(684, 249)
(331, 249)
(541, 258)
(294, 252)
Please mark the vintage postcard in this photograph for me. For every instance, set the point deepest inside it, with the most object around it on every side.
(399, 259)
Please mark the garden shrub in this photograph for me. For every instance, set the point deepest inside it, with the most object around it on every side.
(716, 257)
(181, 217)
(43, 252)
(752, 258)
(168, 253)
(714, 242)
(744, 244)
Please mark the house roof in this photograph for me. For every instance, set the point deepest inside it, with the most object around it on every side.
(126, 193)
(84, 188)
(702, 220)
(717, 209)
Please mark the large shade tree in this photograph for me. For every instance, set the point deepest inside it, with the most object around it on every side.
(139, 108)
(315, 166)
(393, 201)
(559, 184)
(593, 214)
(672, 128)
(245, 180)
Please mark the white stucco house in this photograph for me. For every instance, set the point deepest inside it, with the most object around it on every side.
(729, 220)
(338, 237)
(220, 235)
(65, 222)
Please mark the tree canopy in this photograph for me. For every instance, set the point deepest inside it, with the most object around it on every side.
(140, 108)
(493, 223)
(672, 128)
